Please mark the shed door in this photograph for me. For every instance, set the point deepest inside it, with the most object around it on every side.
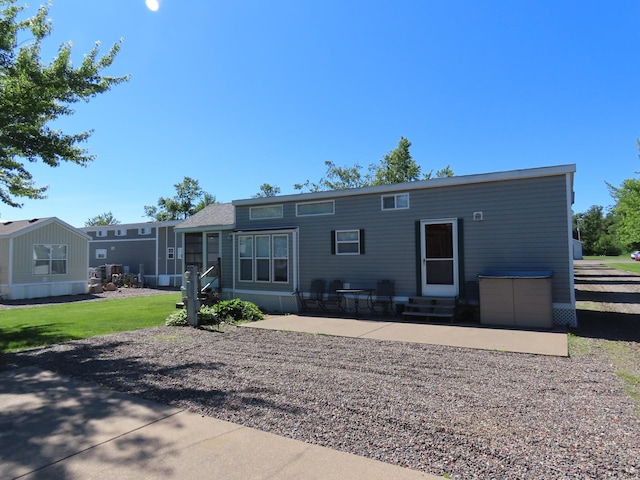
(439, 251)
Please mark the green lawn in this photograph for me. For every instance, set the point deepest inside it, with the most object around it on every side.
(29, 327)
(620, 262)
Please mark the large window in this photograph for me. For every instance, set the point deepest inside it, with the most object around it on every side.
(49, 259)
(263, 258)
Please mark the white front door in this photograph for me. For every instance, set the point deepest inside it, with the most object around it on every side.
(439, 262)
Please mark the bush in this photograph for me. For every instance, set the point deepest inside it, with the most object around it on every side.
(206, 316)
(231, 311)
(177, 319)
(237, 310)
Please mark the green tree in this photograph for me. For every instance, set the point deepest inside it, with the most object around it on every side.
(627, 211)
(397, 166)
(337, 178)
(267, 190)
(34, 94)
(189, 199)
(597, 232)
(106, 218)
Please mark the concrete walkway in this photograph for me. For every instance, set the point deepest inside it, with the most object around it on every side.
(484, 338)
(53, 427)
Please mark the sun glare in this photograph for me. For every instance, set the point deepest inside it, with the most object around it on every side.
(152, 5)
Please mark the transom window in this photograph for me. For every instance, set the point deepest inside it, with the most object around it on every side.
(263, 258)
(315, 208)
(49, 259)
(267, 211)
(397, 201)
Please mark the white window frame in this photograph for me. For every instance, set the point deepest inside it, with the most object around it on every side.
(270, 257)
(101, 233)
(307, 204)
(171, 252)
(179, 253)
(38, 263)
(341, 242)
(265, 212)
(144, 231)
(395, 197)
(101, 253)
(121, 232)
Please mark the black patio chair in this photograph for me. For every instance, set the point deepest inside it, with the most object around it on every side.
(333, 300)
(315, 298)
(381, 301)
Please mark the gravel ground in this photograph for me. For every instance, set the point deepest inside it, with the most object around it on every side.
(442, 410)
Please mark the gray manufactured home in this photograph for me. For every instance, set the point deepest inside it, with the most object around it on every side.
(43, 257)
(432, 238)
(152, 250)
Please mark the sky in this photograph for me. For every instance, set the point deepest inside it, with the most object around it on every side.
(238, 93)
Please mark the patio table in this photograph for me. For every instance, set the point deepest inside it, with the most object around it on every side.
(355, 293)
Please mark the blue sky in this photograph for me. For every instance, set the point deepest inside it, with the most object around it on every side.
(237, 93)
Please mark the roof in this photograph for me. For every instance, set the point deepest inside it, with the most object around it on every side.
(419, 184)
(117, 226)
(216, 215)
(10, 229)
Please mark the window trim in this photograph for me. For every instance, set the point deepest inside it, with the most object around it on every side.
(395, 201)
(320, 202)
(101, 253)
(255, 258)
(101, 233)
(121, 232)
(144, 231)
(335, 242)
(171, 253)
(51, 260)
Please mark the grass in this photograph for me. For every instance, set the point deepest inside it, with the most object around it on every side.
(619, 262)
(30, 327)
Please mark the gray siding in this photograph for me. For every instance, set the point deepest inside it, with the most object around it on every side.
(524, 227)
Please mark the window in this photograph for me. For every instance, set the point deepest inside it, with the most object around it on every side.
(49, 259)
(170, 253)
(101, 233)
(268, 211)
(395, 202)
(193, 249)
(144, 231)
(101, 253)
(263, 258)
(347, 242)
(245, 252)
(120, 232)
(315, 208)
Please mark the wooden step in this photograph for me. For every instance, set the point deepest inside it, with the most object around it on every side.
(437, 307)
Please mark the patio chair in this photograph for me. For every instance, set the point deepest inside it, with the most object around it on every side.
(315, 298)
(381, 301)
(333, 300)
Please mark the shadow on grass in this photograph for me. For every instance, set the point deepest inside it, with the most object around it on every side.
(31, 336)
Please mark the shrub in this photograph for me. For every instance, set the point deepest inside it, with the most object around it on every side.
(206, 316)
(237, 310)
(177, 319)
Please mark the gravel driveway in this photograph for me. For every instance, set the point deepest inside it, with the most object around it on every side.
(442, 410)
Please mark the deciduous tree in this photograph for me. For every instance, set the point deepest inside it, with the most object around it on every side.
(34, 94)
(189, 199)
(106, 218)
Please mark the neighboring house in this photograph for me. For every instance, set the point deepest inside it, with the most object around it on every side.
(151, 250)
(42, 258)
(432, 238)
(206, 237)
